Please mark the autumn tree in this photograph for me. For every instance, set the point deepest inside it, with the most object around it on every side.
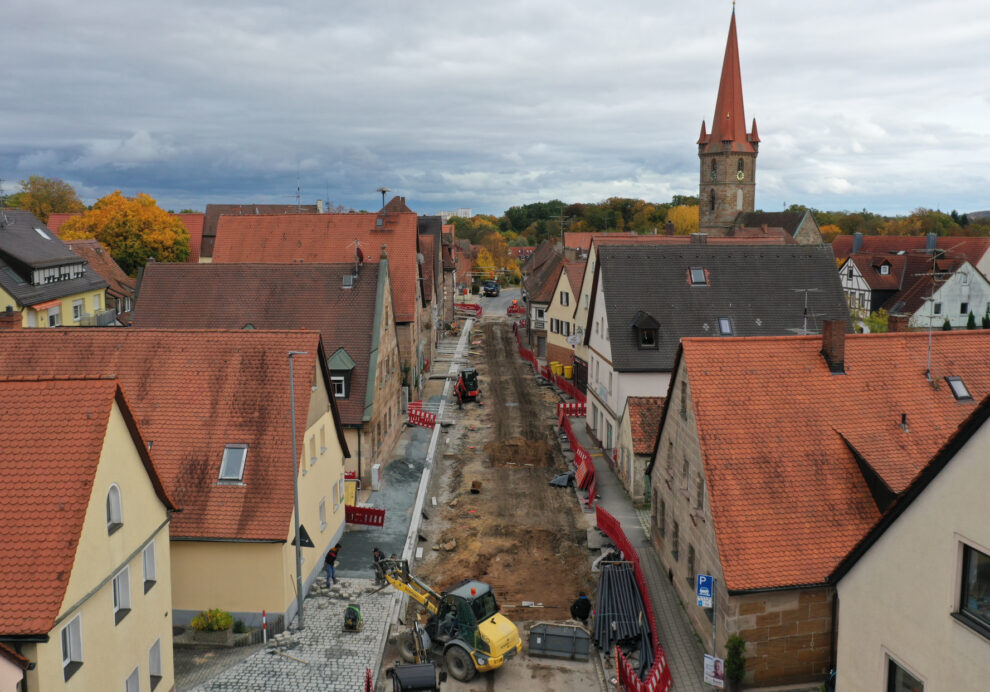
(46, 196)
(133, 228)
(829, 232)
(685, 219)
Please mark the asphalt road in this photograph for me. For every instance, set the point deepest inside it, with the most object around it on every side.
(497, 305)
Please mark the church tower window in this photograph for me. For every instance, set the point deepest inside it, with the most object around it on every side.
(711, 201)
(739, 165)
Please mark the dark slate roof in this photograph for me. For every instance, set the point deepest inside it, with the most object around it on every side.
(270, 296)
(788, 220)
(23, 249)
(541, 284)
(756, 287)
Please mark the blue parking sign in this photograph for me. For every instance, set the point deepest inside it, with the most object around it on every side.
(706, 584)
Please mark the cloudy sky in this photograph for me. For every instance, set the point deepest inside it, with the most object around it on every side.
(882, 105)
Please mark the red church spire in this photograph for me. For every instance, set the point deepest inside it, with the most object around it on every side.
(729, 123)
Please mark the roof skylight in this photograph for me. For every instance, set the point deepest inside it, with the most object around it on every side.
(232, 466)
(42, 233)
(958, 388)
(698, 276)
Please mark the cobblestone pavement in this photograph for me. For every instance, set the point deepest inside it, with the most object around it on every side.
(644, 520)
(321, 657)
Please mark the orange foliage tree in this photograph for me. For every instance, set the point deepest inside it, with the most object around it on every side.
(685, 219)
(134, 229)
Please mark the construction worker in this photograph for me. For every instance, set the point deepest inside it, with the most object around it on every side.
(581, 609)
(461, 391)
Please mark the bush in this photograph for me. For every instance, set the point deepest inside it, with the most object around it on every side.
(946, 326)
(735, 661)
(239, 627)
(971, 321)
(214, 620)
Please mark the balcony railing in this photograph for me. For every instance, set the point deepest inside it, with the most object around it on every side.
(103, 318)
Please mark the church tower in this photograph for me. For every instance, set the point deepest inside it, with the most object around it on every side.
(727, 153)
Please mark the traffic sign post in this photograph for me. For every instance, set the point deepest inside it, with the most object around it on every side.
(706, 599)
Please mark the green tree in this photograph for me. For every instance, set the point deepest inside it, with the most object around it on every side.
(46, 196)
(133, 228)
(735, 659)
(877, 322)
(946, 326)
(971, 321)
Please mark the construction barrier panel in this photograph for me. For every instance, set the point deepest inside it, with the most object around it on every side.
(367, 516)
(515, 310)
(571, 409)
(472, 308)
(658, 678)
(424, 419)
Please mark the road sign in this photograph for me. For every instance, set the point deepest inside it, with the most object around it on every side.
(706, 584)
(574, 339)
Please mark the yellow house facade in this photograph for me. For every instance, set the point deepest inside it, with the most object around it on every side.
(561, 325)
(112, 627)
(73, 310)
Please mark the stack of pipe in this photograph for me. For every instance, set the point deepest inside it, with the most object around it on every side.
(619, 616)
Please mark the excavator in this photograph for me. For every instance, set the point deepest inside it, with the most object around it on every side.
(464, 623)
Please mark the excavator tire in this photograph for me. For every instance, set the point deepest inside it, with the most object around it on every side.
(407, 647)
(459, 664)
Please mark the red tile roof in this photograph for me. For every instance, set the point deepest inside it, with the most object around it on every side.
(92, 250)
(194, 224)
(777, 433)
(51, 434)
(869, 266)
(14, 657)
(575, 277)
(729, 121)
(327, 238)
(644, 421)
(270, 296)
(193, 393)
(582, 241)
(426, 246)
(972, 249)
(397, 204)
(56, 221)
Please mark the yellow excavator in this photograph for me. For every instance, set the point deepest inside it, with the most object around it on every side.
(464, 623)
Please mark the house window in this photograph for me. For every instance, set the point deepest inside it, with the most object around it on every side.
(336, 497)
(232, 466)
(684, 399)
(150, 566)
(711, 203)
(698, 276)
(974, 606)
(884, 269)
(96, 303)
(662, 519)
(724, 326)
(55, 316)
(585, 301)
(72, 647)
(115, 518)
(323, 439)
(899, 680)
(690, 565)
(121, 594)
(323, 514)
(78, 308)
(133, 682)
(674, 540)
(647, 338)
(565, 299)
(312, 449)
(963, 308)
(699, 500)
(937, 309)
(155, 663)
(958, 388)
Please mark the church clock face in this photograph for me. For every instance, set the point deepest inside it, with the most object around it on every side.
(740, 175)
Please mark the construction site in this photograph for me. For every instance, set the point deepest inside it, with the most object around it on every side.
(492, 516)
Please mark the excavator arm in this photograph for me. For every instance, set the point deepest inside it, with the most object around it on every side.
(396, 572)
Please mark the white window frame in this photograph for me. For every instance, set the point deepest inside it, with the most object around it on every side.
(133, 681)
(150, 563)
(694, 276)
(72, 651)
(97, 303)
(958, 388)
(121, 589)
(336, 497)
(884, 269)
(565, 299)
(55, 316)
(312, 449)
(323, 514)
(340, 489)
(227, 474)
(155, 663)
(341, 390)
(78, 308)
(323, 439)
(115, 509)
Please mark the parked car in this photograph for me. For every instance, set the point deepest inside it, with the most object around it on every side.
(491, 288)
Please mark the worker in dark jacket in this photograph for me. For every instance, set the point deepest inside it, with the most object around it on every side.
(329, 561)
(581, 609)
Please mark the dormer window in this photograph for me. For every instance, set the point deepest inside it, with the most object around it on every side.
(341, 366)
(884, 269)
(647, 331)
(232, 465)
(698, 277)
(379, 222)
(958, 388)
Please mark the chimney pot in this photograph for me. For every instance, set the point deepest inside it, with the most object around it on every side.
(930, 240)
(834, 345)
(897, 323)
(857, 241)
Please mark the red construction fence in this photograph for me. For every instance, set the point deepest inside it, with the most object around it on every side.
(585, 473)
(424, 419)
(658, 679)
(472, 308)
(563, 384)
(526, 354)
(515, 310)
(368, 516)
(568, 408)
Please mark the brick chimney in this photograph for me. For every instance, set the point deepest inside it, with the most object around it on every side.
(10, 319)
(897, 323)
(834, 345)
(668, 228)
(857, 241)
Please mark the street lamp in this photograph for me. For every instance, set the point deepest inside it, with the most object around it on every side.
(295, 484)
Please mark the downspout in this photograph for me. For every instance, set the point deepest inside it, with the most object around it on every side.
(360, 435)
(832, 654)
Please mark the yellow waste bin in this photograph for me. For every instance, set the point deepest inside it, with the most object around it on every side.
(569, 371)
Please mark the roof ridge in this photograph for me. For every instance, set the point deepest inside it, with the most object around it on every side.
(58, 378)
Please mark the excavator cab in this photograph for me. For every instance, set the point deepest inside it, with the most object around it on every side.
(467, 385)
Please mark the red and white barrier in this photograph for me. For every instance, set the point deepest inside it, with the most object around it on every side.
(424, 419)
(366, 516)
(571, 409)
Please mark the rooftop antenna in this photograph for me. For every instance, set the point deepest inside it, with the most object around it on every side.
(931, 300)
(298, 193)
(804, 329)
(383, 190)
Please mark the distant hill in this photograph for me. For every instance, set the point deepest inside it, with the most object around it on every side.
(978, 215)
